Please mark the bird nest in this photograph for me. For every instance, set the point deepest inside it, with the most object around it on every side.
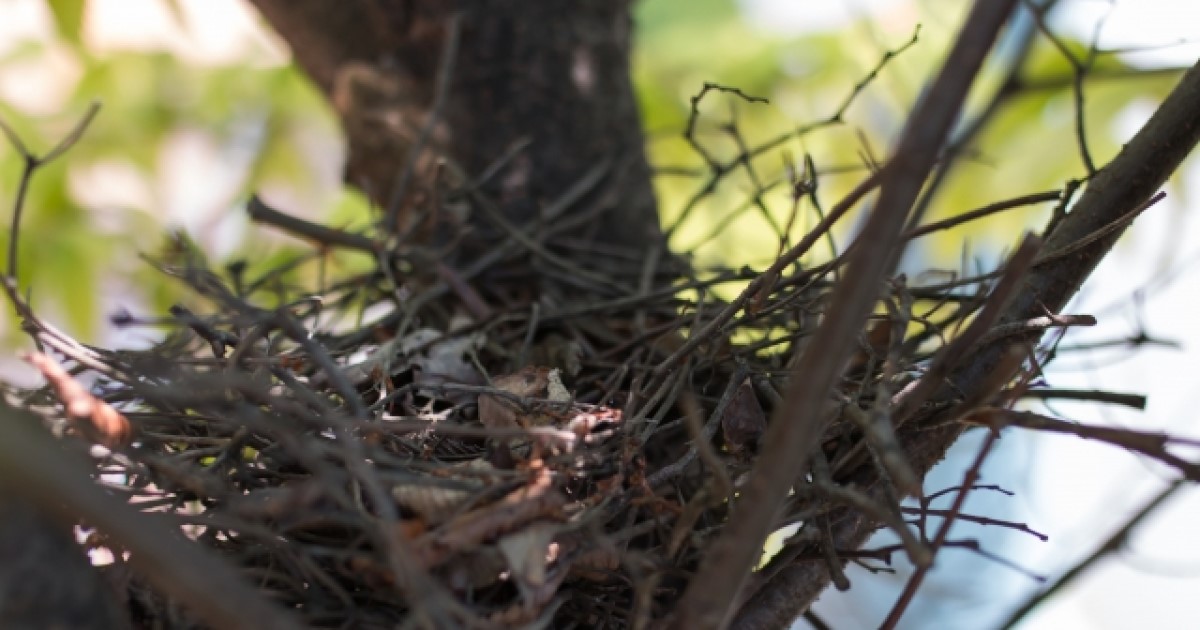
(388, 446)
(436, 441)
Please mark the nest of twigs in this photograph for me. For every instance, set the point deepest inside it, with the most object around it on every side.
(544, 433)
(564, 459)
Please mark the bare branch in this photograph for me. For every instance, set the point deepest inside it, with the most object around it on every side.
(796, 426)
(59, 484)
(1123, 185)
(1150, 444)
(1113, 543)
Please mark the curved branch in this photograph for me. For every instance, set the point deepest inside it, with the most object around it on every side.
(798, 425)
(60, 485)
(1123, 185)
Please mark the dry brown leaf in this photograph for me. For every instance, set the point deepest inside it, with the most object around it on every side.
(878, 338)
(435, 504)
(498, 412)
(432, 503)
(744, 419)
(465, 532)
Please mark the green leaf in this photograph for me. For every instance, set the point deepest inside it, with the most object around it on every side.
(68, 19)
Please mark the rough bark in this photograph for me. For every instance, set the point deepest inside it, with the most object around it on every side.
(555, 74)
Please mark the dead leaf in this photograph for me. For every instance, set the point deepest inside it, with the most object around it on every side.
(437, 503)
(432, 503)
(555, 390)
(744, 420)
(435, 358)
(498, 412)
(447, 361)
(538, 500)
(878, 338)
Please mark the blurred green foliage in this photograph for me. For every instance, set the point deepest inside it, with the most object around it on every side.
(72, 252)
(1029, 146)
(68, 19)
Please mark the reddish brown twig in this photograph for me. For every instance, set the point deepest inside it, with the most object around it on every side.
(95, 419)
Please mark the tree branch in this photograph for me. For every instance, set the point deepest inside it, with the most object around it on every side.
(799, 423)
(1114, 543)
(1127, 182)
(61, 485)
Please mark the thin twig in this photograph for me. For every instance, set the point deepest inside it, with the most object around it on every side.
(796, 427)
(1134, 401)
(1112, 544)
(61, 484)
(32, 163)
(939, 539)
(1150, 444)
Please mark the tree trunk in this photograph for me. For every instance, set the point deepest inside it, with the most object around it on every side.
(553, 74)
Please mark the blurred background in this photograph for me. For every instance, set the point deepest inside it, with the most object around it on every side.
(200, 107)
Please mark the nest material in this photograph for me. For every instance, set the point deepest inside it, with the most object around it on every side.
(538, 464)
(477, 451)
(551, 431)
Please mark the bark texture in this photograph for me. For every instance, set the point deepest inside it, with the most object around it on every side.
(553, 74)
